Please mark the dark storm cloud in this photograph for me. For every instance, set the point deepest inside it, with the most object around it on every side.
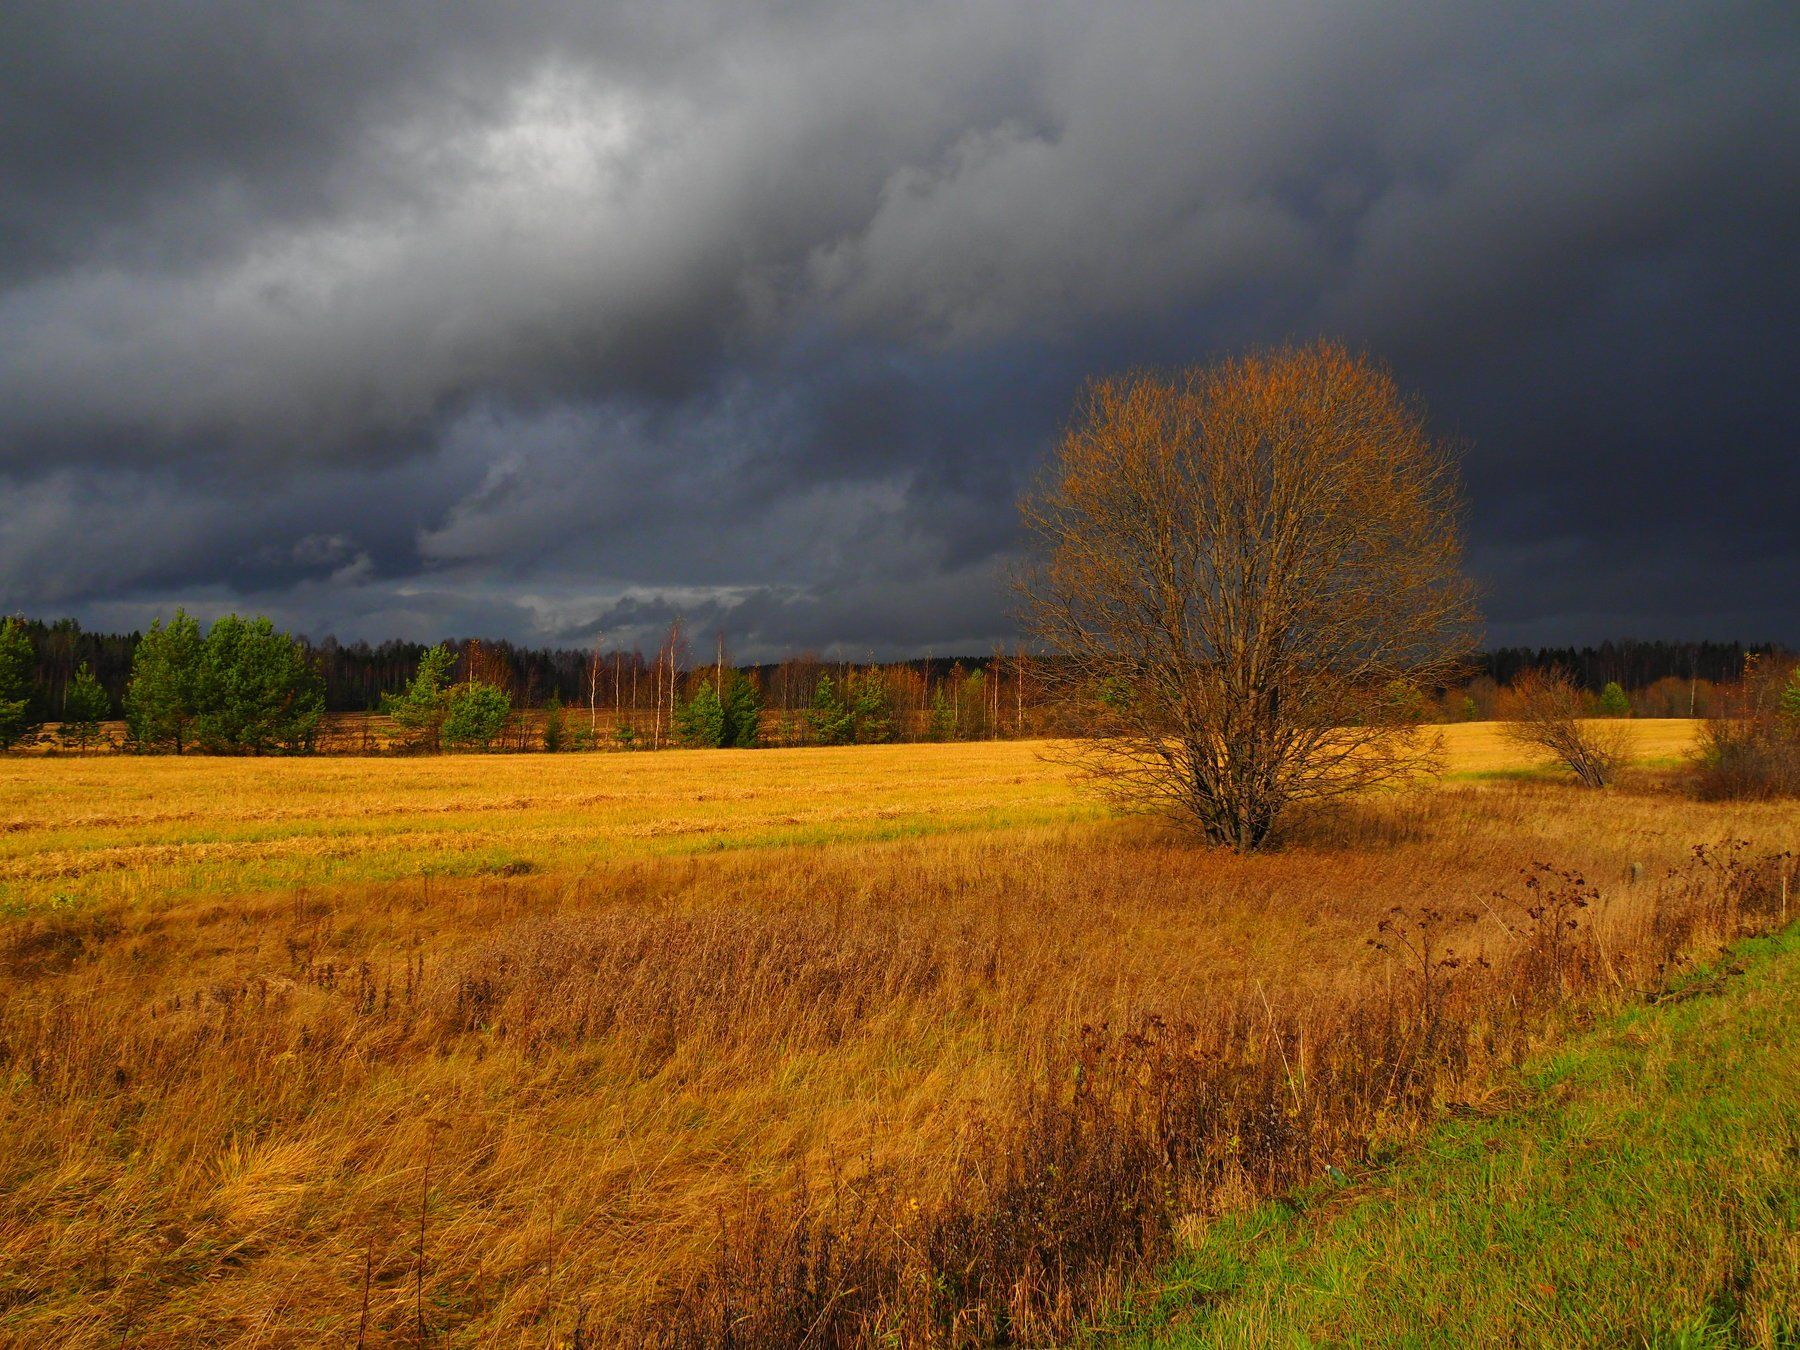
(533, 319)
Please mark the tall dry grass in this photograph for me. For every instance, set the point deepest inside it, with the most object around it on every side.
(943, 1088)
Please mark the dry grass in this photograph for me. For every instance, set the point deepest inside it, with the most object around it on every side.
(292, 1014)
(143, 830)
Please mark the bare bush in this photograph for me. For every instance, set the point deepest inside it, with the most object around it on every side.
(1750, 744)
(1544, 711)
(1247, 572)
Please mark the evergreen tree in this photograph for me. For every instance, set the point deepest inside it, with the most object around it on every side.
(700, 722)
(85, 706)
(1406, 703)
(18, 666)
(162, 698)
(419, 712)
(555, 734)
(972, 706)
(743, 712)
(857, 712)
(474, 714)
(1613, 702)
(829, 715)
(871, 710)
(942, 725)
(257, 689)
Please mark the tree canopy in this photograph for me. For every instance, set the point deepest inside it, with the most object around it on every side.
(245, 687)
(1242, 572)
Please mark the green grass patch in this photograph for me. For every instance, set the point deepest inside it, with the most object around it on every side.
(1642, 1189)
(1547, 773)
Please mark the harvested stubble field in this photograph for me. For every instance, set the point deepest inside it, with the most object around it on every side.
(555, 1050)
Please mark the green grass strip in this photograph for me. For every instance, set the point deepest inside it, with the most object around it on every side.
(1643, 1188)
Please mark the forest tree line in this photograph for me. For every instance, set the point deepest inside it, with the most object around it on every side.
(243, 686)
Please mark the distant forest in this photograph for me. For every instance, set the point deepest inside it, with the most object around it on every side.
(357, 674)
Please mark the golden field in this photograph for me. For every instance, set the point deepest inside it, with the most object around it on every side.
(490, 1049)
(130, 829)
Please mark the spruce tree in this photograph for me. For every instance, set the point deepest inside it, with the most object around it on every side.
(871, 710)
(743, 712)
(700, 722)
(18, 666)
(829, 716)
(943, 717)
(1613, 702)
(1790, 699)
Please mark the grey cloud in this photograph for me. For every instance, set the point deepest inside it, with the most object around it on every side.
(532, 318)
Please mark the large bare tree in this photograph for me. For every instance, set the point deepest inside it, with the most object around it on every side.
(1245, 574)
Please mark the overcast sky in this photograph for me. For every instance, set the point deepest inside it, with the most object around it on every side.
(397, 318)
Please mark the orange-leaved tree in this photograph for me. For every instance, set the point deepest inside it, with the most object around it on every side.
(1244, 572)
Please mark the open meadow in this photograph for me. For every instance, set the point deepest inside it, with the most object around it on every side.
(531, 1049)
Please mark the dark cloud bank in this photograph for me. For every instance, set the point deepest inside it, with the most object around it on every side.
(404, 319)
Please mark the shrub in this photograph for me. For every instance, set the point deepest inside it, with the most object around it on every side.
(1750, 745)
(555, 733)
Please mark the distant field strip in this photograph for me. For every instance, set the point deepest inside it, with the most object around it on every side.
(79, 827)
(118, 827)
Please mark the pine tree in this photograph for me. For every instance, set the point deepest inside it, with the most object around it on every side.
(161, 700)
(18, 666)
(85, 706)
(419, 712)
(257, 689)
(1613, 702)
(475, 714)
